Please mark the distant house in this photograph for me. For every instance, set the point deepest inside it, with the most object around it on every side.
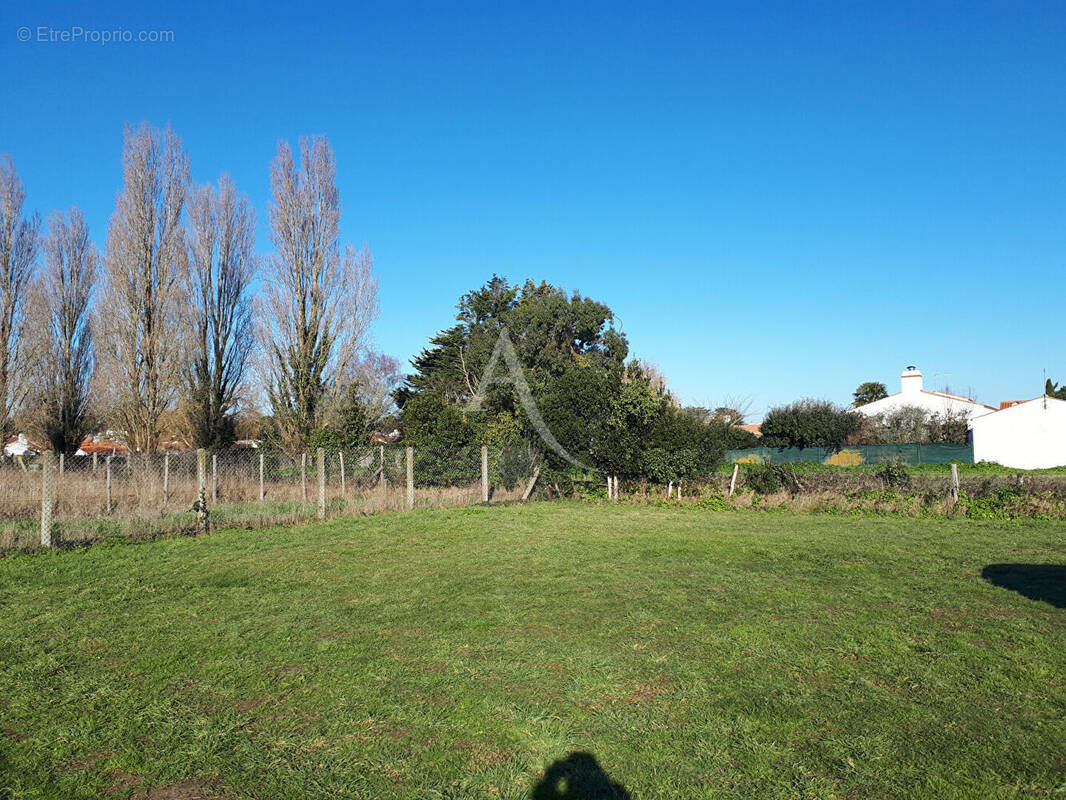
(384, 438)
(21, 446)
(911, 394)
(1023, 435)
(101, 445)
(754, 429)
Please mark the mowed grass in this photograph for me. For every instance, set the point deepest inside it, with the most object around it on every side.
(455, 654)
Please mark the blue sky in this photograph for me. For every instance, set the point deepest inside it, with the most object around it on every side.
(776, 201)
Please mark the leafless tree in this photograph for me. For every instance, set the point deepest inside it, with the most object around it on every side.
(733, 409)
(18, 251)
(653, 374)
(376, 377)
(60, 333)
(318, 303)
(140, 318)
(221, 263)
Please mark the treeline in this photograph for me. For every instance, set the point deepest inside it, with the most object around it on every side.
(534, 368)
(155, 337)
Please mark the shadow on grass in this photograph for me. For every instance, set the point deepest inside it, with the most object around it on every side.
(1045, 582)
(578, 777)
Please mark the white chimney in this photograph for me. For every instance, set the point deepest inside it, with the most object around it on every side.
(910, 382)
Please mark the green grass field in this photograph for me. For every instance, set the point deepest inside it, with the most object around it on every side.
(462, 653)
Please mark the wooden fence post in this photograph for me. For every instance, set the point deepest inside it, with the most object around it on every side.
(733, 480)
(166, 476)
(532, 483)
(954, 484)
(484, 474)
(47, 498)
(201, 490)
(410, 478)
(262, 487)
(321, 464)
(107, 469)
(303, 475)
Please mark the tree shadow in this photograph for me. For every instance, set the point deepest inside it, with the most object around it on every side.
(1044, 582)
(578, 777)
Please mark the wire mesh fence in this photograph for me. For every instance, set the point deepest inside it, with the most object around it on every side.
(47, 500)
(86, 498)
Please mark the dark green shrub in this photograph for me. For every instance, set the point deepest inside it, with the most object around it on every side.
(516, 465)
(809, 423)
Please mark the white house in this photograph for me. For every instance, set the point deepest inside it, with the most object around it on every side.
(1028, 435)
(20, 446)
(911, 393)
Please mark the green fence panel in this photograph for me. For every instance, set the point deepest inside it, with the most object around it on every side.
(869, 453)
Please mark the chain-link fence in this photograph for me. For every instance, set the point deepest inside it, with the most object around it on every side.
(46, 499)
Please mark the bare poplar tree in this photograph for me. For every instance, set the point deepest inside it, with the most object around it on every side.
(376, 377)
(61, 334)
(221, 244)
(319, 303)
(140, 318)
(18, 251)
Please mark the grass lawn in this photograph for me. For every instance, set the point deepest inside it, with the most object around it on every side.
(455, 654)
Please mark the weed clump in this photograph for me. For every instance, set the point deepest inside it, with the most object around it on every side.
(893, 475)
(767, 478)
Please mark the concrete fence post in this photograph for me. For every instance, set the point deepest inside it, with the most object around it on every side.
(201, 490)
(484, 474)
(214, 479)
(262, 486)
(62, 461)
(94, 462)
(320, 458)
(381, 468)
(733, 480)
(340, 457)
(107, 470)
(670, 490)
(166, 477)
(954, 484)
(410, 478)
(303, 475)
(47, 498)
